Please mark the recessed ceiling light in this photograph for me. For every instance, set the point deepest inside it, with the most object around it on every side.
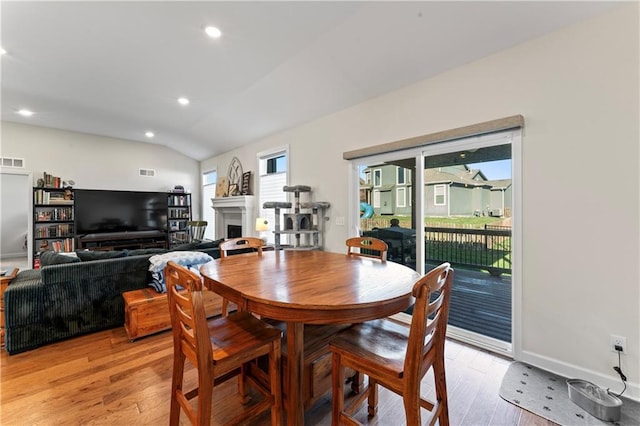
(25, 113)
(183, 101)
(149, 134)
(213, 32)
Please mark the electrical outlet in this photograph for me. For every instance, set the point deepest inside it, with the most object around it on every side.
(618, 341)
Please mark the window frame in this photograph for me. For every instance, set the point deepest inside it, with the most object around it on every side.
(401, 200)
(377, 176)
(404, 175)
(444, 194)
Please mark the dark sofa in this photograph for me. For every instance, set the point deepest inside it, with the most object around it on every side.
(60, 301)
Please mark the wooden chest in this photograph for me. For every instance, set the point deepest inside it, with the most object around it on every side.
(147, 312)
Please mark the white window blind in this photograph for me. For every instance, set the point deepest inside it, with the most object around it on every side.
(208, 192)
(270, 184)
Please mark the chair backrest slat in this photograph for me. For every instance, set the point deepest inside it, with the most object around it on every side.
(368, 247)
(429, 320)
(188, 317)
(196, 229)
(240, 244)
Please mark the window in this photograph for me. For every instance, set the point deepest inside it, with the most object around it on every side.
(439, 195)
(376, 199)
(272, 177)
(209, 192)
(276, 164)
(401, 175)
(367, 177)
(401, 197)
(377, 177)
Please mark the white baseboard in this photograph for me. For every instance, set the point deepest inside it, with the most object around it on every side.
(572, 372)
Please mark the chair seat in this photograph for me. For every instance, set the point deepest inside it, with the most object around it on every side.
(380, 344)
(239, 336)
(397, 357)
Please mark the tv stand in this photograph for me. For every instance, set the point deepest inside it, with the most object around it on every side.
(123, 240)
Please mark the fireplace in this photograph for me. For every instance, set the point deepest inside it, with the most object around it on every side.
(234, 231)
(234, 216)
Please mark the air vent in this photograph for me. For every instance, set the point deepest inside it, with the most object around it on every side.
(147, 172)
(12, 162)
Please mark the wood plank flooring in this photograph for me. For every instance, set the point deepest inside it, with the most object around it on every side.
(104, 379)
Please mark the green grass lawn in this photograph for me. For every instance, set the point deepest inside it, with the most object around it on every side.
(476, 221)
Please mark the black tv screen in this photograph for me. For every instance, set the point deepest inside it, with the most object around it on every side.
(99, 211)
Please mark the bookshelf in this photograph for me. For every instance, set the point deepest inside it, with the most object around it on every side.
(53, 221)
(179, 214)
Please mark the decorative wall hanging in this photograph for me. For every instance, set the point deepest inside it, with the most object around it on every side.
(246, 181)
(222, 186)
(235, 177)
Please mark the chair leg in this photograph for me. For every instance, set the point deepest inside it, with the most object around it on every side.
(337, 379)
(205, 396)
(372, 410)
(275, 362)
(176, 386)
(225, 308)
(411, 401)
(357, 382)
(243, 389)
(441, 391)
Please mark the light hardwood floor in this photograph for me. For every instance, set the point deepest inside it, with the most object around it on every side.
(104, 379)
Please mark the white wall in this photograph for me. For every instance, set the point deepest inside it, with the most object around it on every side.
(578, 90)
(98, 162)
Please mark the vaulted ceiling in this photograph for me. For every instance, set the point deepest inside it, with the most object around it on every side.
(117, 68)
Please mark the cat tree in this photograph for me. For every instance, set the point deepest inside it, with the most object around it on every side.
(307, 227)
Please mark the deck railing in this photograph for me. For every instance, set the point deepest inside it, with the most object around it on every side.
(488, 249)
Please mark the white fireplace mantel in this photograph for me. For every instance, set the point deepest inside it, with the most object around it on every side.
(238, 210)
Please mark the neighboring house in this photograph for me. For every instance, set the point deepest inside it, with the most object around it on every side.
(450, 191)
(387, 188)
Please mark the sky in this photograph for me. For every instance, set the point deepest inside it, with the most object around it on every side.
(493, 170)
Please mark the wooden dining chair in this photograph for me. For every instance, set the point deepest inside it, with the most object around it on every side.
(234, 244)
(219, 350)
(196, 230)
(398, 357)
(368, 247)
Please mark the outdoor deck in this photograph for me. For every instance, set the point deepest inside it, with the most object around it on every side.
(481, 303)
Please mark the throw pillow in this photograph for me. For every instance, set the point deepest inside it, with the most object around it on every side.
(189, 259)
(49, 257)
(87, 256)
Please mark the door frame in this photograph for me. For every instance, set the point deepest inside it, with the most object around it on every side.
(512, 136)
(28, 188)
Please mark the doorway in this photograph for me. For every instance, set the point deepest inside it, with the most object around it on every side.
(459, 208)
(15, 224)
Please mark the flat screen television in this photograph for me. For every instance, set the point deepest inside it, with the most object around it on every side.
(99, 211)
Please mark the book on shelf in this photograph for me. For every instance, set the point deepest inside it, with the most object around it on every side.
(66, 245)
(42, 196)
(51, 181)
(44, 215)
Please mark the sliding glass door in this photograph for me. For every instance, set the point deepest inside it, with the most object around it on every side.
(457, 207)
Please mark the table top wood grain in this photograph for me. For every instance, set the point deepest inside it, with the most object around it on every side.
(313, 287)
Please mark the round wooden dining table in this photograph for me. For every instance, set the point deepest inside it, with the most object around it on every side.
(310, 287)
